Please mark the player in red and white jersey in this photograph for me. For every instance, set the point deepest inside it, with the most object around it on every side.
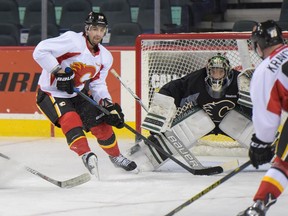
(269, 94)
(73, 60)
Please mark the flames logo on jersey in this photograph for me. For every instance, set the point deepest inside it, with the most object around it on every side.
(82, 72)
(217, 110)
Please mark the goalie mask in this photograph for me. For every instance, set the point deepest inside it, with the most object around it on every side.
(266, 34)
(219, 75)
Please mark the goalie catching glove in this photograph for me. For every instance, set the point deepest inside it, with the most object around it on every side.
(65, 79)
(260, 152)
(116, 117)
(160, 115)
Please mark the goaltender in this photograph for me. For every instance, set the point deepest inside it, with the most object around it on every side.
(209, 100)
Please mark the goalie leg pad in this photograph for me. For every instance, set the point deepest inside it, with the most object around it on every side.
(238, 126)
(192, 127)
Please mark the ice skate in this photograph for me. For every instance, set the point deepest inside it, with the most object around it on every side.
(123, 162)
(257, 209)
(90, 161)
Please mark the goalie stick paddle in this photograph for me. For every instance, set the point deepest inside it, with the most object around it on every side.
(81, 179)
(175, 141)
(204, 171)
(209, 188)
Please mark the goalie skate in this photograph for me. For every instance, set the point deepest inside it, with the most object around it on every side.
(124, 163)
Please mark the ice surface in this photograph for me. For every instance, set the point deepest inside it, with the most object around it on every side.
(118, 193)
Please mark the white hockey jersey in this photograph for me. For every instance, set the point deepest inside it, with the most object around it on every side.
(269, 93)
(70, 50)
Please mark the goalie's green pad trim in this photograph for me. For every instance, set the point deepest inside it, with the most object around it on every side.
(156, 116)
(151, 128)
(153, 121)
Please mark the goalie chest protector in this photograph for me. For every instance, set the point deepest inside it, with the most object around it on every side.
(192, 89)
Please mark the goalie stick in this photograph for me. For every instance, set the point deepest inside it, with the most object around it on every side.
(81, 179)
(204, 171)
(175, 141)
(209, 188)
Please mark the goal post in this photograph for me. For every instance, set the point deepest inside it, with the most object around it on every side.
(164, 57)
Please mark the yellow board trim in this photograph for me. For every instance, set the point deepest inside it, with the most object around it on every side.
(25, 128)
(42, 128)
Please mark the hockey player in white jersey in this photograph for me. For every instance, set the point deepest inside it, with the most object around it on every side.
(73, 60)
(269, 94)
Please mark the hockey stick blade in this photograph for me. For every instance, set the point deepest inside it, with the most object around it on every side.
(81, 179)
(217, 169)
(209, 188)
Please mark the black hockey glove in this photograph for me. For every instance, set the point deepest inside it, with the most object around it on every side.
(116, 117)
(65, 80)
(260, 152)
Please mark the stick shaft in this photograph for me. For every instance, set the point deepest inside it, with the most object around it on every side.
(129, 90)
(209, 188)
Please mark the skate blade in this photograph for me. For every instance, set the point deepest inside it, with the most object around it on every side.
(135, 171)
(96, 172)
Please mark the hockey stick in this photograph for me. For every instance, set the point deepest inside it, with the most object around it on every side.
(205, 171)
(209, 188)
(174, 140)
(62, 184)
(129, 90)
(136, 147)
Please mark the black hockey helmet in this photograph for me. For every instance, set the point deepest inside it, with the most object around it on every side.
(266, 34)
(216, 86)
(96, 19)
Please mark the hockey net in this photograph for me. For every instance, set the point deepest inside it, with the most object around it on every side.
(164, 57)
